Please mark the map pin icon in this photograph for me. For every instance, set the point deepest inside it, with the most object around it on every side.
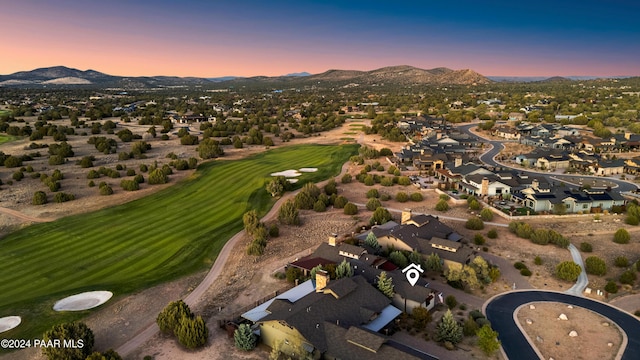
(413, 276)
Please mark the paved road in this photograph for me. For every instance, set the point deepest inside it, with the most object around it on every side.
(500, 311)
(489, 158)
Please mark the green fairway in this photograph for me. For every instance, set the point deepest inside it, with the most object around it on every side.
(164, 236)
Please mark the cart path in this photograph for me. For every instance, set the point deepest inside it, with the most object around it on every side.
(21, 216)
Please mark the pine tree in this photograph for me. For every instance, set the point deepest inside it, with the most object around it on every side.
(372, 241)
(192, 332)
(343, 270)
(169, 319)
(448, 329)
(488, 340)
(244, 338)
(69, 331)
(385, 284)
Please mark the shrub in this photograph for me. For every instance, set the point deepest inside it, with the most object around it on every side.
(404, 180)
(131, 172)
(350, 209)
(373, 204)
(519, 265)
(621, 236)
(340, 202)
(274, 230)
(39, 198)
(380, 216)
(444, 197)
(106, 190)
(373, 193)
(157, 176)
(368, 180)
(91, 183)
(138, 178)
(346, 178)
(402, 196)
(451, 301)
(63, 197)
(595, 266)
(385, 197)
(525, 272)
(621, 261)
(319, 206)
(474, 205)
(442, 205)
(478, 239)
(611, 287)
(486, 214)
(474, 223)
(244, 338)
(129, 185)
(537, 260)
(18, 175)
(632, 220)
(568, 270)
(586, 247)
(386, 181)
(492, 234)
(628, 277)
(416, 196)
(288, 213)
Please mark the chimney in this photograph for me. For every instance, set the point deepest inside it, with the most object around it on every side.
(457, 162)
(627, 135)
(406, 216)
(322, 279)
(332, 239)
(484, 186)
(535, 184)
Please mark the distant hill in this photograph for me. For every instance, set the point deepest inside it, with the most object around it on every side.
(392, 75)
(556, 79)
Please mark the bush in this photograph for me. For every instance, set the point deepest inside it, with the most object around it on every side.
(519, 265)
(368, 180)
(244, 338)
(478, 239)
(157, 176)
(444, 197)
(373, 204)
(632, 220)
(39, 198)
(537, 260)
(18, 175)
(106, 190)
(346, 178)
(621, 236)
(442, 205)
(486, 214)
(611, 287)
(319, 206)
(586, 247)
(404, 180)
(350, 209)
(451, 301)
(386, 181)
(492, 234)
(525, 272)
(373, 193)
(77, 332)
(385, 197)
(380, 216)
(628, 277)
(63, 197)
(340, 202)
(474, 205)
(568, 270)
(91, 183)
(274, 231)
(621, 261)
(288, 213)
(129, 185)
(416, 196)
(474, 223)
(595, 266)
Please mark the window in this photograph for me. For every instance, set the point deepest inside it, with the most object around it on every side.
(585, 206)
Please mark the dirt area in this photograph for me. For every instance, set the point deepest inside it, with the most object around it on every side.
(597, 337)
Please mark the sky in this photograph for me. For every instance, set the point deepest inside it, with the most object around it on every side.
(251, 38)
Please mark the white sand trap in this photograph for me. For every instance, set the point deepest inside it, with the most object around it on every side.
(308, 169)
(9, 322)
(84, 301)
(292, 181)
(286, 173)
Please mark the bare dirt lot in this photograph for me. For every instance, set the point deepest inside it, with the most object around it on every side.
(597, 337)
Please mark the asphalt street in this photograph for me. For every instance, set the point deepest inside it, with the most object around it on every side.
(500, 311)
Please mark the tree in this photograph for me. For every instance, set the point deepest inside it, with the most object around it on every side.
(275, 188)
(79, 333)
(611, 287)
(350, 209)
(398, 258)
(244, 338)
(621, 236)
(488, 340)
(251, 222)
(288, 213)
(210, 148)
(568, 270)
(157, 176)
(39, 198)
(107, 355)
(481, 267)
(372, 241)
(421, 317)
(192, 332)
(442, 205)
(434, 263)
(344, 269)
(380, 216)
(331, 187)
(169, 318)
(416, 258)
(385, 284)
(486, 214)
(448, 329)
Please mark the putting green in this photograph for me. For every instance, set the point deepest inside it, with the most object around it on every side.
(174, 232)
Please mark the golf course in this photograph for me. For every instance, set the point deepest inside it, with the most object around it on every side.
(164, 236)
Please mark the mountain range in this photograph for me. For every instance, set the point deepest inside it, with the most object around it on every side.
(393, 75)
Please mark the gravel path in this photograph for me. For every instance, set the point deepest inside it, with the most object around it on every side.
(22, 216)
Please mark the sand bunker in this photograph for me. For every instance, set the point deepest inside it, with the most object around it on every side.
(308, 169)
(9, 322)
(287, 173)
(292, 181)
(84, 301)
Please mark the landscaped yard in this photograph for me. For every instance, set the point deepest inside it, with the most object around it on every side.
(174, 232)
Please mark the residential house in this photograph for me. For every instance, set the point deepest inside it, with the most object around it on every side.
(507, 132)
(573, 200)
